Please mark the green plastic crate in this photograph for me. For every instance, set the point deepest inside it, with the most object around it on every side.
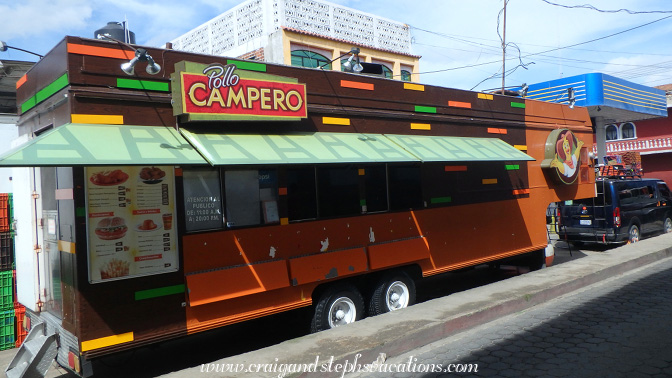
(7, 330)
(6, 290)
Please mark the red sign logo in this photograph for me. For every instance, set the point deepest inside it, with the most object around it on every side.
(219, 90)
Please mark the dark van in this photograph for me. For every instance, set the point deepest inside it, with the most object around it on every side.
(624, 210)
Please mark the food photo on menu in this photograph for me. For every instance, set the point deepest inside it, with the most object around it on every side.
(151, 175)
(111, 228)
(109, 178)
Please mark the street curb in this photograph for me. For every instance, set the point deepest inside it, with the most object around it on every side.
(435, 332)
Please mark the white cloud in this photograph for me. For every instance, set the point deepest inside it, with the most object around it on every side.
(33, 18)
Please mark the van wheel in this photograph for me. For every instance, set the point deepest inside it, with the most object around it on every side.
(667, 225)
(393, 292)
(340, 305)
(633, 234)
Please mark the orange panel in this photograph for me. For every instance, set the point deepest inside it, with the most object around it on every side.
(455, 168)
(224, 284)
(21, 81)
(397, 253)
(493, 130)
(327, 265)
(105, 52)
(356, 85)
(459, 104)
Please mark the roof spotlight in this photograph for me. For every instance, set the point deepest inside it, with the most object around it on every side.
(141, 55)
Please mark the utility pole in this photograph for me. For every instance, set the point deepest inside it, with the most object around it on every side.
(504, 50)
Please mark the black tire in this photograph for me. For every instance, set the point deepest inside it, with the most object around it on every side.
(633, 233)
(667, 225)
(339, 305)
(393, 292)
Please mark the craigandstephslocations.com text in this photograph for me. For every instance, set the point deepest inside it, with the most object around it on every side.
(332, 366)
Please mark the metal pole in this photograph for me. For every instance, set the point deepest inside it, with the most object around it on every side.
(504, 50)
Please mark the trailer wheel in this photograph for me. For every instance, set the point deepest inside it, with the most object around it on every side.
(340, 305)
(393, 292)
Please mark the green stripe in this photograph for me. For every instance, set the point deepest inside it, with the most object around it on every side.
(425, 109)
(246, 65)
(143, 84)
(29, 104)
(80, 211)
(441, 200)
(518, 105)
(45, 93)
(52, 88)
(512, 167)
(160, 292)
(362, 202)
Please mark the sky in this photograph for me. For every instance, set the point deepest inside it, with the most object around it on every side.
(459, 40)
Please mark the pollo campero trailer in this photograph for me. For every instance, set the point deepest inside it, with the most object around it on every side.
(155, 206)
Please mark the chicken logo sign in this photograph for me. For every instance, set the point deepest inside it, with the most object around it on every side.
(563, 156)
(224, 92)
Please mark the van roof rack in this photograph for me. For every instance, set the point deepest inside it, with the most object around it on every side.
(619, 171)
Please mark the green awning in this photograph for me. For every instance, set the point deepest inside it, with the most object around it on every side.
(93, 144)
(438, 148)
(320, 147)
(298, 148)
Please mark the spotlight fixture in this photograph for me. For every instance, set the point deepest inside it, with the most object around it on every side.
(141, 55)
(348, 66)
(4, 47)
(523, 90)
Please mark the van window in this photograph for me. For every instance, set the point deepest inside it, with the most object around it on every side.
(664, 191)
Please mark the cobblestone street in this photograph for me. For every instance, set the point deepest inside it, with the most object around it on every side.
(618, 328)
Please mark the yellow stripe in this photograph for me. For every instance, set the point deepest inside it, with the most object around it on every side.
(284, 221)
(561, 86)
(414, 87)
(107, 341)
(489, 181)
(421, 126)
(97, 118)
(485, 96)
(65, 246)
(648, 94)
(520, 147)
(336, 121)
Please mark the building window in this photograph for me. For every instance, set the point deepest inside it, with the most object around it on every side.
(305, 58)
(612, 132)
(387, 72)
(405, 75)
(628, 131)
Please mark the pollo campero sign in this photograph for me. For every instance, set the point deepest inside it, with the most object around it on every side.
(224, 92)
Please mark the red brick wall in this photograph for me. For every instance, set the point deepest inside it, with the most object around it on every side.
(257, 54)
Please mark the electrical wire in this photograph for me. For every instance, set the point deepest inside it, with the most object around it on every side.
(588, 6)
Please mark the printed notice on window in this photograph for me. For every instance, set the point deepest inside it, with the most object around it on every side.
(130, 213)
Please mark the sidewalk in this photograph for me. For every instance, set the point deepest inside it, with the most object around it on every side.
(395, 333)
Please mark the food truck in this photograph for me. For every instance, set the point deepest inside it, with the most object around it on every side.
(185, 192)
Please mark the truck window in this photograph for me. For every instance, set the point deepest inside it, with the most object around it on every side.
(202, 199)
(375, 186)
(301, 193)
(338, 191)
(251, 197)
(405, 187)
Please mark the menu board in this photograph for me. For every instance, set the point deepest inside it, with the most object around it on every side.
(130, 224)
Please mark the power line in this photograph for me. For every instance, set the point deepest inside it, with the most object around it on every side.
(550, 50)
(588, 6)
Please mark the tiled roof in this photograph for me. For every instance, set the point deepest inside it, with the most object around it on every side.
(345, 41)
